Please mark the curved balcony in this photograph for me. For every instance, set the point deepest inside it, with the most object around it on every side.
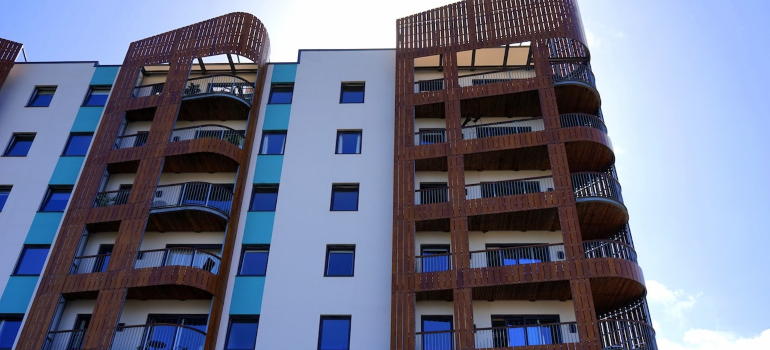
(582, 120)
(217, 97)
(212, 131)
(521, 126)
(89, 264)
(190, 206)
(599, 204)
(109, 198)
(204, 148)
(526, 335)
(182, 256)
(627, 335)
(158, 336)
(575, 88)
(64, 340)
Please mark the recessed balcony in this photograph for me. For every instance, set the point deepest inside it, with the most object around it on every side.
(509, 187)
(478, 79)
(158, 336)
(64, 340)
(190, 206)
(179, 256)
(512, 127)
(109, 198)
(526, 335)
(89, 264)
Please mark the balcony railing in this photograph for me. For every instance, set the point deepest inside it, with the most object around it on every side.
(442, 340)
(496, 76)
(220, 84)
(509, 187)
(590, 184)
(128, 141)
(429, 136)
(147, 90)
(503, 128)
(627, 335)
(193, 194)
(89, 264)
(582, 119)
(104, 199)
(433, 263)
(526, 335)
(429, 85)
(609, 249)
(64, 340)
(158, 336)
(431, 195)
(572, 72)
(517, 255)
(209, 131)
(178, 257)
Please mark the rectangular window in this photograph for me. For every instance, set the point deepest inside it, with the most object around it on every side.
(334, 333)
(439, 333)
(352, 93)
(340, 260)
(273, 142)
(435, 258)
(9, 328)
(349, 142)
(5, 191)
(56, 198)
(344, 197)
(42, 96)
(19, 145)
(254, 261)
(242, 332)
(264, 198)
(97, 96)
(31, 260)
(281, 93)
(77, 144)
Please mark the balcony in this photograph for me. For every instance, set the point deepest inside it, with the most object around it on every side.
(190, 206)
(433, 263)
(178, 257)
(526, 335)
(509, 187)
(429, 136)
(627, 335)
(129, 141)
(477, 79)
(431, 195)
(575, 88)
(109, 198)
(438, 340)
(503, 128)
(89, 264)
(158, 336)
(64, 340)
(574, 120)
(599, 204)
(212, 131)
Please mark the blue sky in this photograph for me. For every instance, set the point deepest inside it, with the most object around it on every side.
(681, 84)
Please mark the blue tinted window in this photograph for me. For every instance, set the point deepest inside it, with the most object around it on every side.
(242, 334)
(4, 193)
(442, 340)
(56, 200)
(349, 142)
(352, 93)
(264, 198)
(8, 330)
(273, 143)
(435, 258)
(42, 97)
(254, 262)
(77, 145)
(20, 145)
(97, 96)
(335, 333)
(281, 93)
(340, 261)
(345, 198)
(31, 260)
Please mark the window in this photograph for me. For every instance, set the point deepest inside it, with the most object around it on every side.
(340, 261)
(273, 142)
(530, 335)
(78, 143)
(5, 191)
(20, 145)
(345, 197)
(242, 332)
(440, 336)
(434, 257)
(281, 93)
(254, 261)
(42, 96)
(9, 327)
(31, 260)
(97, 96)
(334, 333)
(352, 93)
(56, 198)
(348, 142)
(264, 198)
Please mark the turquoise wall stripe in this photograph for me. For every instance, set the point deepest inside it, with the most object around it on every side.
(18, 292)
(259, 227)
(67, 170)
(284, 73)
(276, 117)
(104, 75)
(247, 295)
(87, 119)
(43, 228)
(268, 170)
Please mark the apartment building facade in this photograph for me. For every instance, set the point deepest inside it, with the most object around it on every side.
(456, 192)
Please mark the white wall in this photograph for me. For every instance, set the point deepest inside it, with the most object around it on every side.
(135, 312)
(159, 240)
(74, 308)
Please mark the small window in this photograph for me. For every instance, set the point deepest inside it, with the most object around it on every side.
(340, 261)
(42, 96)
(334, 333)
(20, 145)
(254, 261)
(345, 197)
(31, 260)
(242, 332)
(78, 143)
(281, 93)
(97, 96)
(5, 191)
(264, 198)
(273, 142)
(348, 142)
(56, 198)
(435, 257)
(352, 93)
(9, 328)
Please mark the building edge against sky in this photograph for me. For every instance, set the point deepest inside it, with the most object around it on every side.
(456, 192)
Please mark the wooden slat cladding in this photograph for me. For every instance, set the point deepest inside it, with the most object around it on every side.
(235, 33)
(9, 50)
(554, 30)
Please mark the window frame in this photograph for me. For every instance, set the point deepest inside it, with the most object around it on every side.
(345, 84)
(241, 318)
(262, 142)
(349, 318)
(264, 186)
(36, 93)
(69, 140)
(274, 85)
(340, 247)
(343, 186)
(5, 190)
(91, 88)
(360, 134)
(15, 138)
(11, 317)
(253, 247)
(49, 192)
(21, 256)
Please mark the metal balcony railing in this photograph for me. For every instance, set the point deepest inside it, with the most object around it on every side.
(209, 131)
(609, 249)
(433, 263)
(526, 335)
(193, 194)
(503, 128)
(573, 72)
(442, 340)
(220, 84)
(158, 336)
(517, 255)
(581, 119)
(128, 141)
(431, 195)
(592, 184)
(104, 199)
(429, 136)
(64, 340)
(89, 264)
(627, 335)
(429, 85)
(496, 76)
(182, 256)
(509, 187)
(147, 90)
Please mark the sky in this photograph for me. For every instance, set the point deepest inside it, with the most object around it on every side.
(681, 88)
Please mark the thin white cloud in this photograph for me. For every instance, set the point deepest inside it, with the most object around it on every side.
(703, 339)
(673, 302)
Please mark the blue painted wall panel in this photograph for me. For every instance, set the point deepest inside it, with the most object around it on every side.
(259, 227)
(43, 228)
(247, 295)
(17, 295)
(87, 119)
(268, 170)
(284, 73)
(276, 117)
(104, 75)
(67, 170)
